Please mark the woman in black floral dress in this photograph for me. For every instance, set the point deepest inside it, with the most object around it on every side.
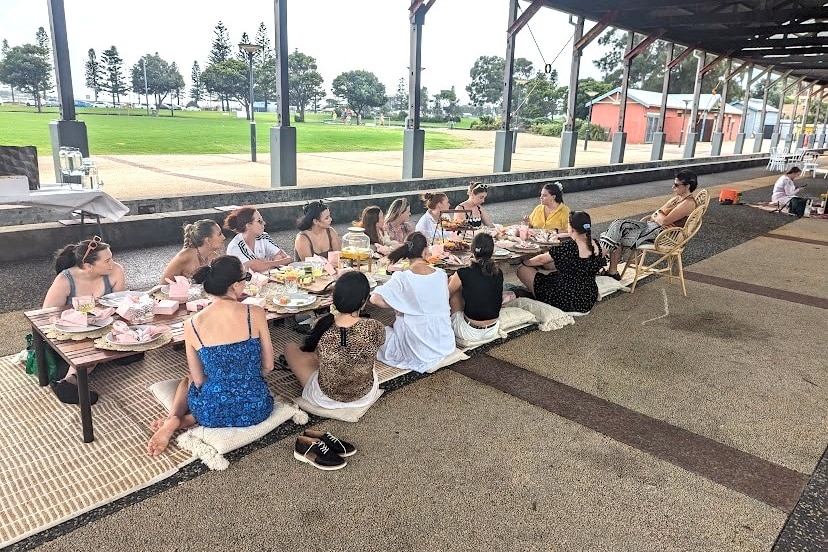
(574, 264)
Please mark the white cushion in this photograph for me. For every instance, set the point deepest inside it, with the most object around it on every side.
(548, 317)
(608, 286)
(512, 318)
(344, 414)
(210, 443)
(456, 356)
(466, 345)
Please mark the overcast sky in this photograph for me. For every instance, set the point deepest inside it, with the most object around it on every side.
(370, 34)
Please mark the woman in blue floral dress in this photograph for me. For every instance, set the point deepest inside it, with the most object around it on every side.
(228, 354)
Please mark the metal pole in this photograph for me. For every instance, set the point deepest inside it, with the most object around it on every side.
(146, 88)
(252, 111)
(589, 125)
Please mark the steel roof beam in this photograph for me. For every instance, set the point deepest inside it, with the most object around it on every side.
(740, 17)
(643, 45)
(593, 33)
(524, 18)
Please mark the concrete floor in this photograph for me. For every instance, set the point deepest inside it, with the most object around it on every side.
(719, 381)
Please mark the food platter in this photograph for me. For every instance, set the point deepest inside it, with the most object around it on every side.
(294, 300)
(83, 329)
(500, 253)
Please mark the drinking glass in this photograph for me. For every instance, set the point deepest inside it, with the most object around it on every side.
(85, 303)
(291, 281)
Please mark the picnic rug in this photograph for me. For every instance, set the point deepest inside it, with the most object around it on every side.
(48, 475)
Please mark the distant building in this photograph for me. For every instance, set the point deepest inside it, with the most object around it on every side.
(752, 117)
(642, 114)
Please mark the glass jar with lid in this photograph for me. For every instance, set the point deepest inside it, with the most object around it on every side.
(356, 247)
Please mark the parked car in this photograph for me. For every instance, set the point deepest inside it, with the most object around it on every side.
(192, 108)
(174, 107)
(101, 104)
(43, 103)
(82, 103)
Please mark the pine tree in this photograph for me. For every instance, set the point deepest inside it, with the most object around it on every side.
(5, 50)
(221, 50)
(196, 90)
(45, 45)
(265, 66)
(93, 72)
(241, 55)
(113, 81)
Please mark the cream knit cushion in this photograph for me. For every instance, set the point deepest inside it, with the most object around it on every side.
(210, 443)
(344, 414)
(549, 318)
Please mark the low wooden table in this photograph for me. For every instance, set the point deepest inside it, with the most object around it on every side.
(83, 355)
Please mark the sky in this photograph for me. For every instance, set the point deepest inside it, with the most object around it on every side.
(372, 35)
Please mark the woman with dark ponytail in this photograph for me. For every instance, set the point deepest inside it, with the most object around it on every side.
(228, 354)
(571, 285)
(476, 294)
(336, 363)
(84, 268)
(421, 335)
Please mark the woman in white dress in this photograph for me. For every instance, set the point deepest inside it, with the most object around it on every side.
(421, 335)
(429, 223)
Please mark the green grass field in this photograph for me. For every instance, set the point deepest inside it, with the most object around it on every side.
(122, 131)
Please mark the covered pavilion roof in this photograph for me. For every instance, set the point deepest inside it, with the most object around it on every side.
(787, 34)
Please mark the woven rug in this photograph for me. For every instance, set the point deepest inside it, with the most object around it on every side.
(47, 474)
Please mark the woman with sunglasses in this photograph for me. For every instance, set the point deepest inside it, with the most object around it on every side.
(629, 233)
(252, 245)
(203, 240)
(84, 268)
(316, 237)
(477, 196)
(571, 285)
(396, 220)
(551, 214)
(228, 354)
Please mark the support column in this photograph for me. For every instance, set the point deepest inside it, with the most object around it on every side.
(816, 117)
(413, 135)
(569, 138)
(718, 126)
(778, 125)
(759, 138)
(505, 136)
(66, 131)
(824, 132)
(619, 139)
(692, 135)
(800, 139)
(740, 136)
(791, 128)
(282, 135)
(659, 138)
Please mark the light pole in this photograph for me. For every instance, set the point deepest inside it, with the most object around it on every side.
(146, 89)
(591, 94)
(251, 50)
(683, 123)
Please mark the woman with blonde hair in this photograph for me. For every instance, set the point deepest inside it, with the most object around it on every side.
(396, 220)
(203, 240)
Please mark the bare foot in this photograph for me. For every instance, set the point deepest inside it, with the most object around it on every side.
(161, 438)
(156, 424)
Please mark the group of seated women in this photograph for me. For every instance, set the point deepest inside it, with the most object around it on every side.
(228, 346)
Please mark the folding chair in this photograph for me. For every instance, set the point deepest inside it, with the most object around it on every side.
(809, 163)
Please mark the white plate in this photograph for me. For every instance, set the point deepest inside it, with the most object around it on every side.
(296, 300)
(498, 252)
(83, 329)
(108, 337)
(114, 299)
(527, 249)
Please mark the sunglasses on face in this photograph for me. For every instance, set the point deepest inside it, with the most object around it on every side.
(93, 244)
(676, 184)
(246, 278)
(312, 204)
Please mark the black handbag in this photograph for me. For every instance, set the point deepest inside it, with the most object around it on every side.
(796, 206)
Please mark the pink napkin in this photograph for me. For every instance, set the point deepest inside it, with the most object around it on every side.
(96, 315)
(122, 333)
(503, 243)
(259, 280)
(179, 288)
(71, 317)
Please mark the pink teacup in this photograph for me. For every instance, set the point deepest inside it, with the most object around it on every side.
(333, 258)
(523, 232)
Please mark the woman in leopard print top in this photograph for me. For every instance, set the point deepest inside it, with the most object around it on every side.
(336, 363)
